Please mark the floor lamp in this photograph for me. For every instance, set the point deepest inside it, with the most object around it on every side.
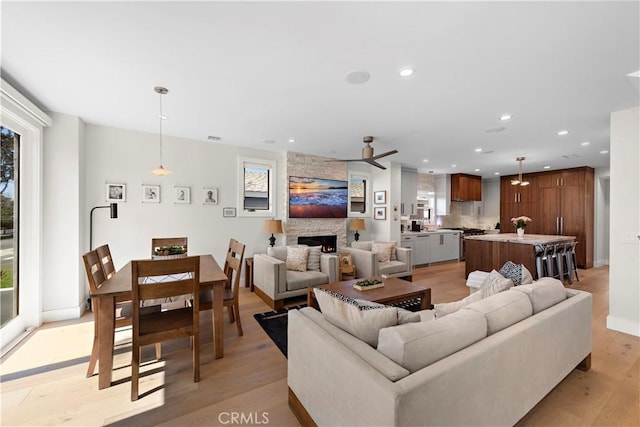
(114, 214)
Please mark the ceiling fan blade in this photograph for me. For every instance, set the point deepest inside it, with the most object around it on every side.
(374, 163)
(388, 153)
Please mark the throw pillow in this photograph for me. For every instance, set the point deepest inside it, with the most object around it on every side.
(313, 261)
(493, 284)
(392, 256)
(516, 272)
(361, 319)
(297, 258)
(383, 250)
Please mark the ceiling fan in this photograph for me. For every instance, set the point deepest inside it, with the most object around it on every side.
(368, 156)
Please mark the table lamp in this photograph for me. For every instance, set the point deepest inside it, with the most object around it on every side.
(357, 225)
(273, 226)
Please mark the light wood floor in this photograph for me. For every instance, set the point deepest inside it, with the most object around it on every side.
(43, 379)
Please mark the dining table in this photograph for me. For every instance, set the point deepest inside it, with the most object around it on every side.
(119, 285)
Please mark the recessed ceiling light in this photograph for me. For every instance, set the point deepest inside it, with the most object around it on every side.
(291, 140)
(357, 77)
(563, 132)
(604, 152)
(496, 173)
(634, 74)
(546, 167)
(495, 130)
(406, 72)
(453, 165)
(162, 117)
(505, 117)
(585, 143)
(478, 150)
(477, 170)
(425, 160)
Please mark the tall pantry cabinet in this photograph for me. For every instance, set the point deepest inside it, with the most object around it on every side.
(560, 203)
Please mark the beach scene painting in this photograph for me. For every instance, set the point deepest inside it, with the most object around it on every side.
(317, 198)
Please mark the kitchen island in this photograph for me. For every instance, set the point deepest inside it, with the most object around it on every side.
(490, 251)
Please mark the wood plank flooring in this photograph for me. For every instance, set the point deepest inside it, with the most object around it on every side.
(43, 379)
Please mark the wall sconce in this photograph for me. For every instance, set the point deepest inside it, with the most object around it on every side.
(273, 226)
(357, 225)
(114, 215)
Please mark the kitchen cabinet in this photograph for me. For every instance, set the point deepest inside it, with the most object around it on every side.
(409, 242)
(444, 246)
(443, 194)
(408, 192)
(518, 200)
(466, 188)
(422, 250)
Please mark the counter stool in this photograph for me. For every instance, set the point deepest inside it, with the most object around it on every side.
(541, 252)
(570, 260)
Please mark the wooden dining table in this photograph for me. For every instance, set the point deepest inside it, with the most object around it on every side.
(211, 277)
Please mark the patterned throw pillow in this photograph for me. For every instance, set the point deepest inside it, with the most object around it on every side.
(361, 319)
(392, 256)
(313, 261)
(516, 272)
(297, 258)
(383, 250)
(493, 284)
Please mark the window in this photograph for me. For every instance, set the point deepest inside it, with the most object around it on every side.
(256, 177)
(358, 199)
(9, 174)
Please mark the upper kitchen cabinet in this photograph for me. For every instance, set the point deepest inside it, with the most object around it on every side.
(443, 194)
(466, 188)
(518, 200)
(409, 192)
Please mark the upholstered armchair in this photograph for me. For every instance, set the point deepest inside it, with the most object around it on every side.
(381, 259)
(284, 272)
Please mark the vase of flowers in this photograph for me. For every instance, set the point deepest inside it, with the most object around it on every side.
(520, 223)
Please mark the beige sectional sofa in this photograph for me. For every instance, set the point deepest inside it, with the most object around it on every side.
(487, 364)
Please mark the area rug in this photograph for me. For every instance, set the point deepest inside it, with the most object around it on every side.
(275, 323)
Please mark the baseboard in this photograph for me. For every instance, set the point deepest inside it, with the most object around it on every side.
(623, 325)
(600, 263)
(63, 314)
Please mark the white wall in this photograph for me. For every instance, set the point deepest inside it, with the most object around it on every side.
(624, 273)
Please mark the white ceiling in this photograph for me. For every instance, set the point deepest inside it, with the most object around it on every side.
(255, 71)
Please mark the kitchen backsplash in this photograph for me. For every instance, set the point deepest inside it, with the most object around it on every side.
(469, 221)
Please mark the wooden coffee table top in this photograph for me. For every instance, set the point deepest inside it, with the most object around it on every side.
(393, 291)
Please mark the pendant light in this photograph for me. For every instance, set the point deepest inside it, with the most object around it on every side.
(519, 181)
(161, 170)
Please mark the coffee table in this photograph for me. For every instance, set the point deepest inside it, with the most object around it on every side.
(394, 291)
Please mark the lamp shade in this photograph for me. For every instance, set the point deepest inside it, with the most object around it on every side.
(273, 226)
(357, 224)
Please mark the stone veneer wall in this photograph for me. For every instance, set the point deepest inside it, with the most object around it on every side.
(306, 165)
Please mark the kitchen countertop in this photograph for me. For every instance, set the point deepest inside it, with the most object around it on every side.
(418, 233)
(527, 239)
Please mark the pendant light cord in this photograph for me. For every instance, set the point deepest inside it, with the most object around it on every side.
(161, 119)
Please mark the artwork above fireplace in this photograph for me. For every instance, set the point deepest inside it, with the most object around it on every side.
(329, 243)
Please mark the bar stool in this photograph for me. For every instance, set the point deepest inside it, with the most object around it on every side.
(570, 260)
(541, 259)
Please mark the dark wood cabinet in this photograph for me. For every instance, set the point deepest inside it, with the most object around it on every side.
(466, 187)
(559, 203)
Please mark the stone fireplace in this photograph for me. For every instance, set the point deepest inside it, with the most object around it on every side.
(329, 243)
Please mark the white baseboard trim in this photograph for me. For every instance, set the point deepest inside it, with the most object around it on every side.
(62, 314)
(623, 325)
(600, 263)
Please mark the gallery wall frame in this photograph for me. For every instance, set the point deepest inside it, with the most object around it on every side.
(150, 193)
(115, 193)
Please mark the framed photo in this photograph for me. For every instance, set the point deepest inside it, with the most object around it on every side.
(345, 259)
(182, 195)
(210, 196)
(228, 212)
(379, 213)
(116, 192)
(379, 197)
(150, 193)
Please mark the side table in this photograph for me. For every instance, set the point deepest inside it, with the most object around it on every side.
(248, 273)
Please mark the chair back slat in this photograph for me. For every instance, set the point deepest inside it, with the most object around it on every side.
(233, 265)
(104, 253)
(93, 268)
(165, 289)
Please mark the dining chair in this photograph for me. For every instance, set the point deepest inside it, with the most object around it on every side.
(104, 253)
(232, 268)
(150, 328)
(160, 242)
(96, 277)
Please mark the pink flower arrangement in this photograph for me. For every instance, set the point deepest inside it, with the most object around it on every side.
(521, 221)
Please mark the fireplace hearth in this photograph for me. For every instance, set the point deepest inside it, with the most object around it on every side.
(329, 243)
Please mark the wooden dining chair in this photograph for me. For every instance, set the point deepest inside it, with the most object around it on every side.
(104, 253)
(150, 328)
(96, 277)
(161, 242)
(232, 267)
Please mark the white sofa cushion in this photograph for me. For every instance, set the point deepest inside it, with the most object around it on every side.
(279, 252)
(502, 310)
(360, 318)
(416, 345)
(307, 279)
(365, 245)
(544, 293)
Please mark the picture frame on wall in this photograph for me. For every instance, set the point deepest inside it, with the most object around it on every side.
(379, 197)
(150, 193)
(209, 196)
(116, 193)
(182, 195)
(228, 212)
(379, 213)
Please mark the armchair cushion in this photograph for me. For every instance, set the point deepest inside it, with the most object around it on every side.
(302, 280)
(297, 258)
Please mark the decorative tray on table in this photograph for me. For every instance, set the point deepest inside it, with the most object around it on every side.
(365, 285)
